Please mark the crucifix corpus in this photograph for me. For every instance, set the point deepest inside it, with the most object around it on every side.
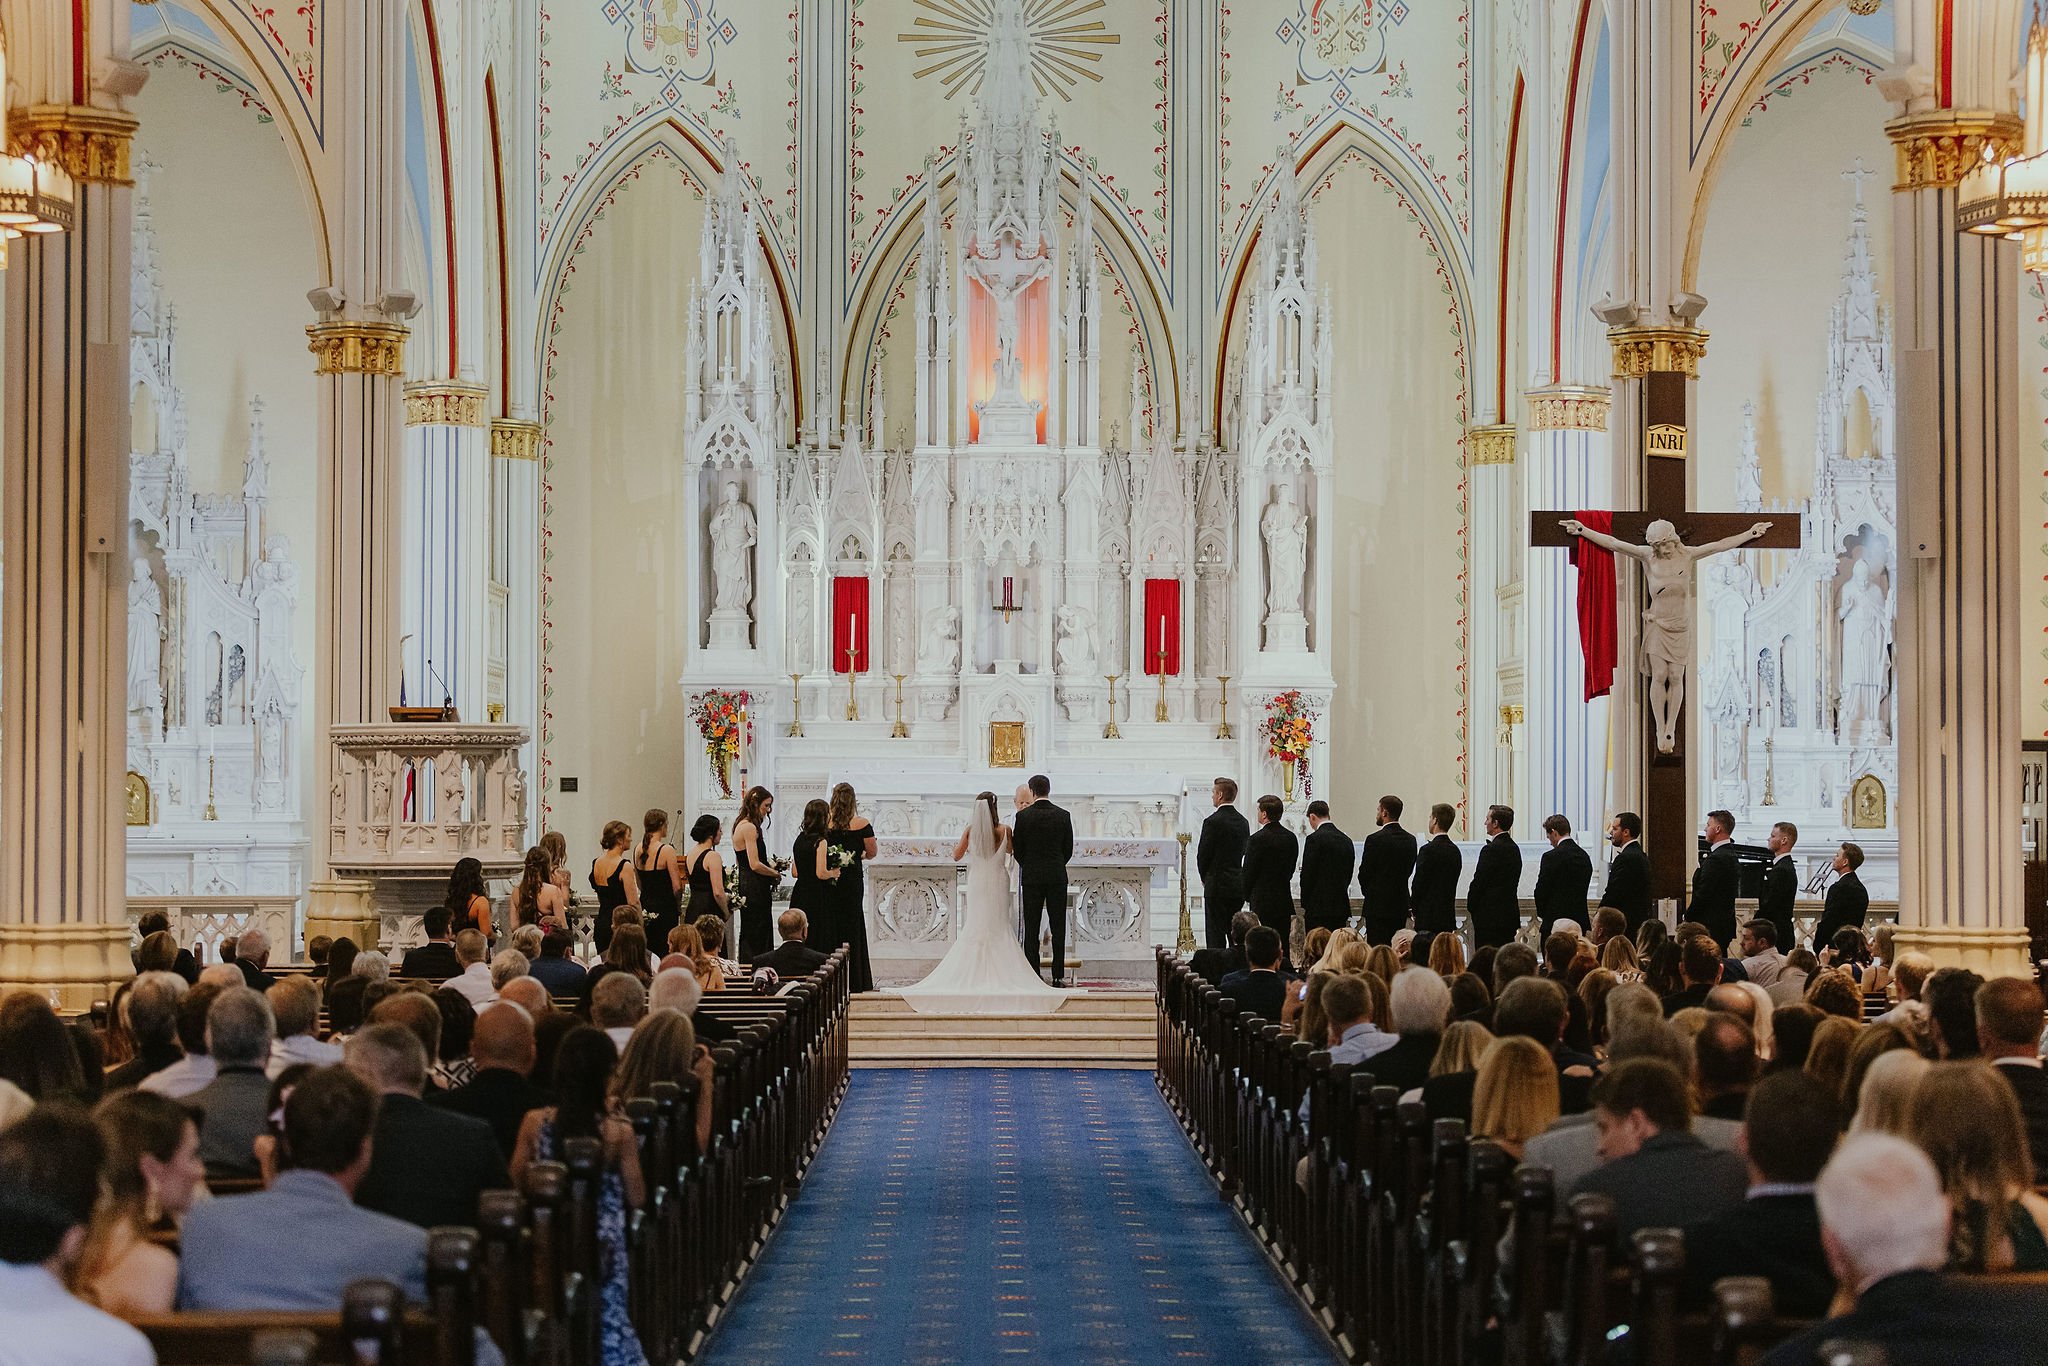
(1666, 539)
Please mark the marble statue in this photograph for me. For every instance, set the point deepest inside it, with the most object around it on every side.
(270, 746)
(1866, 644)
(1667, 622)
(940, 653)
(1284, 527)
(145, 640)
(1074, 647)
(732, 543)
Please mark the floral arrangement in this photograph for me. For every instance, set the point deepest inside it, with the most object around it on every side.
(721, 719)
(839, 856)
(732, 883)
(1289, 731)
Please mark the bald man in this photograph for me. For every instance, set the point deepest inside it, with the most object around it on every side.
(501, 1094)
(530, 994)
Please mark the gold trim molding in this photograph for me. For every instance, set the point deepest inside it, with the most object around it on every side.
(1640, 351)
(515, 438)
(91, 144)
(445, 403)
(1568, 408)
(357, 348)
(1936, 149)
(1490, 445)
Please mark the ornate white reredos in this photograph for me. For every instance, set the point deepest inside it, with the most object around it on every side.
(1009, 485)
(1801, 694)
(214, 685)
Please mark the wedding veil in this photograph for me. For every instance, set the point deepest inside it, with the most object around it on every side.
(981, 831)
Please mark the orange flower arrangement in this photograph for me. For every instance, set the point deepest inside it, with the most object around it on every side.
(721, 718)
(1289, 731)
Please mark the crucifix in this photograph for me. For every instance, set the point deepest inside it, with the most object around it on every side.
(1666, 539)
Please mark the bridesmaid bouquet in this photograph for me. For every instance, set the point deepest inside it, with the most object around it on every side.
(732, 884)
(840, 857)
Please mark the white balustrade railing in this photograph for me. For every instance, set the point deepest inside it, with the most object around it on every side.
(204, 923)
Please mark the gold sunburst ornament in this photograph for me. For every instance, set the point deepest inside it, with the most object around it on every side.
(951, 38)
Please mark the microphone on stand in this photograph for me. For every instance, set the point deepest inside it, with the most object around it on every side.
(447, 696)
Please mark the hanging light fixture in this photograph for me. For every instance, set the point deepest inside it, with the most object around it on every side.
(2009, 197)
(36, 196)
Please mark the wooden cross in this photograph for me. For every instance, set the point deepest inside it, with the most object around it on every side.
(1666, 784)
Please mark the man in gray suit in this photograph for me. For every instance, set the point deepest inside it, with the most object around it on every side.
(1660, 1173)
(298, 1244)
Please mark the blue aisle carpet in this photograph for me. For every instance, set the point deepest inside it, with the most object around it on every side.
(960, 1215)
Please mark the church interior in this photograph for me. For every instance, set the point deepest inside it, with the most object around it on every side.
(931, 680)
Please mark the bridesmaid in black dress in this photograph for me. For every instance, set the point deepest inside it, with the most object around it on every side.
(757, 875)
(611, 877)
(705, 871)
(812, 891)
(659, 871)
(847, 829)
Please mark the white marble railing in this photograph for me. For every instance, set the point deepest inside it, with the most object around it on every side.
(468, 797)
(205, 922)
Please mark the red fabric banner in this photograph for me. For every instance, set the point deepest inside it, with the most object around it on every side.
(1162, 625)
(1597, 628)
(849, 622)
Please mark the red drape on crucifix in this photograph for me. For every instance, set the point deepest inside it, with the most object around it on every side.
(849, 623)
(1597, 626)
(1162, 625)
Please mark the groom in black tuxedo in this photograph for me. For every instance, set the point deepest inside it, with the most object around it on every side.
(1042, 840)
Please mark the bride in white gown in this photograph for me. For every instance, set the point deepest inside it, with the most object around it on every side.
(985, 972)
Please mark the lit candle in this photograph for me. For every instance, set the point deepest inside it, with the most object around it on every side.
(852, 641)
(1162, 642)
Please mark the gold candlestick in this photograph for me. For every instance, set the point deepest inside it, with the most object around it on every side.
(852, 703)
(1159, 714)
(1184, 944)
(901, 731)
(796, 707)
(1223, 731)
(211, 814)
(1110, 732)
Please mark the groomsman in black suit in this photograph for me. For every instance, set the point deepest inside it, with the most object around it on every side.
(1219, 861)
(1562, 878)
(1715, 882)
(1847, 903)
(1325, 871)
(1042, 841)
(1438, 865)
(1385, 864)
(1269, 859)
(1781, 883)
(1492, 902)
(1628, 876)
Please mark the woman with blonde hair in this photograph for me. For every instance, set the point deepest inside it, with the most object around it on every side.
(1464, 1044)
(1355, 958)
(537, 900)
(1515, 1096)
(686, 943)
(611, 877)
(1380, 962)
(1312, 947)
(1884, 1100)
(1340, 939)
(152, 1173)
(1446, 955)
(1827, 1057)
(664, 1047)
(1619, 957)
(1967, 1120)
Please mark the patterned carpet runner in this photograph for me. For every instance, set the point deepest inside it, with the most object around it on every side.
(965, 1215)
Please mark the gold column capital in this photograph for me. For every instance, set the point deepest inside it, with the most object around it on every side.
(357, 348)
(1493, 444)
(1568, 408)
(88, 143)
(1938, 147)
(446, 403)
(514, 438)
(1638, 351)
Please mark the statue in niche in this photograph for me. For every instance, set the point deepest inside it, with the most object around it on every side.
(1667, 622)
(1284, 527)
(145, 641)
(1866, 650)
(1074, 645)
(732, 542)
(940, 653)
(270, 746)
(800, 590)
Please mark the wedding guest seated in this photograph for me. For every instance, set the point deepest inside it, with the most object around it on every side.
(1827, 1058)
(1951, 997)
(665, 1048)
(1510, 961)
(252, 955)
(416, 1011)
(49, 1188)
(222, 975)
(230, 1107)
(1724, 1069)
(1570, 1147)
(474, 981)
(435, 960)
(1472, 1000)
(616, 1004)
(1347, 1006)
(1789, 1131)
(152, 923)
(555, 969)
(1760, 956)
(1968, 1123)
(1885, 1227)
(1259, 989)
(1514, 1093)
(1699, 962)
(317, 949)
(1465, 1042)
(1420, 1007)
(1609, 924)
(506, 964)
(1884, 1098)
(712, 931)
(297, 1244)
(36, 1052)
(1533, 1008)
(427, 1165)
(346, 1007)
(502, 1091)
(792, 957)
(1833, 992)
(679, 990)
(1792, 1030)
(1909, 974)
(526, 939)
(529, 995)
(1657, 1171)
(2009, 1037)
(195, 1069)
(373, 965)
(452, 1068)
(151, 1172)
(295, 1007)
(1446, 955)
(152, 1006)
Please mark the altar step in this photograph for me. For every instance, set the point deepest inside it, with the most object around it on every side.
(1094, 1029)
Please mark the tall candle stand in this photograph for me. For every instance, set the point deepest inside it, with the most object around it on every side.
(1110, 732)
(211, 813)
(796, 707)
(901, 731)
(852, 703)
(1184, 944)
(1160, 713)
(1223, 731)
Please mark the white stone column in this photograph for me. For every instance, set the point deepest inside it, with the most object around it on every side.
(1959, 652)
(446, 568)
(1495, 684)
(64, 605)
